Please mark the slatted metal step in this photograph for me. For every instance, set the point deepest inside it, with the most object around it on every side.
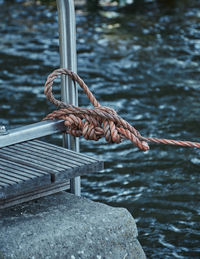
(33, 168)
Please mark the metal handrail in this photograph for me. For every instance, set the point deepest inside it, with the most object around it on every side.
(31, 131)
(69, 93)
(67, 48)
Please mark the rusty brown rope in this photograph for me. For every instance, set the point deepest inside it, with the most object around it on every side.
(99, 121)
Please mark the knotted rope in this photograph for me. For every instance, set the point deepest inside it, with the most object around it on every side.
(99, 121)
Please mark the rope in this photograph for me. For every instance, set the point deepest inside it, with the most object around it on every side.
(99, 121)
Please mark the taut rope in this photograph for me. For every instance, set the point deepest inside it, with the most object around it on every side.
(100, 121)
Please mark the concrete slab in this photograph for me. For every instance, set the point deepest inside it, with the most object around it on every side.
(67, 226)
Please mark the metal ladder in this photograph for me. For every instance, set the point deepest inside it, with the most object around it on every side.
(30, 168)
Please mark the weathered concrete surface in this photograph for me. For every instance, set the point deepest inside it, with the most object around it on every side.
(65, 226)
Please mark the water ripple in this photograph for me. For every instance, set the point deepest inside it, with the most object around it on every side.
(145, 64)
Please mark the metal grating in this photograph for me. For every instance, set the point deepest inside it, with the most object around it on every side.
(35, 165)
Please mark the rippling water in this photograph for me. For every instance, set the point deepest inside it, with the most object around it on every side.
(144, 63)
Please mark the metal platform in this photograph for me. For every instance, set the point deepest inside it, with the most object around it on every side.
(33, 169)
(30, 168)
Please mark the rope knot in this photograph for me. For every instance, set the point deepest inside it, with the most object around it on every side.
(100, 121)
(94, 123)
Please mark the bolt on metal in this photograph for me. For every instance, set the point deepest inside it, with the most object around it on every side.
(3, 130)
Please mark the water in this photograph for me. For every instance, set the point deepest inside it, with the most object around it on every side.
(145, 64)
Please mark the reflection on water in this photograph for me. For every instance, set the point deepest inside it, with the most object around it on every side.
(145, 64)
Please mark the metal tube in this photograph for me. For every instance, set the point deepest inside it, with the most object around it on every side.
(32, 131)
(68, 59)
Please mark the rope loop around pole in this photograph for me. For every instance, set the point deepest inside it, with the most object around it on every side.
(100, 121)
(75, 78)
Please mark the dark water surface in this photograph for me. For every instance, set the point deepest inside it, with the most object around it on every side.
(145, 64)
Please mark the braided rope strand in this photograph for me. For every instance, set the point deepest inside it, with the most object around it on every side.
(99, 121)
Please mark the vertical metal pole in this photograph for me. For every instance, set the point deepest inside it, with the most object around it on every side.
(68, 59)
